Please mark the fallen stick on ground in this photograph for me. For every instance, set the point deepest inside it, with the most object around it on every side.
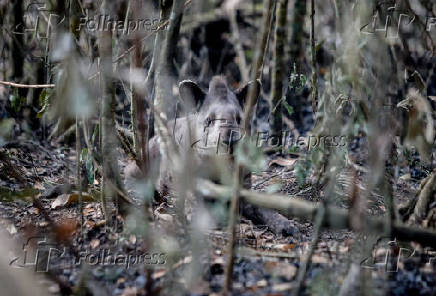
(335, 218)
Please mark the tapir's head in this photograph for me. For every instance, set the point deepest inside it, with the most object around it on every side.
(219, 111)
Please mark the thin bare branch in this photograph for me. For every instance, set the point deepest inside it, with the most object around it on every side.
(13, 84)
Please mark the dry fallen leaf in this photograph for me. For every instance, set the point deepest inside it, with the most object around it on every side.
(284, 247)
(281, 269)
(11, 229)
(88, 211)
(282, 287)
(405, 177)
(185, 260)
(90, 224)
(158, 274)
(65, 229)
(317, 259)
(39, 186)
(67, 199)
(100, 223)
(33, 211)
(54, 289)
(219, 260)
(94, 243)
(284, 162)
(130, 291)
(165, 217)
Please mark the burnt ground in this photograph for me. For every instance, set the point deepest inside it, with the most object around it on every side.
(265, 264)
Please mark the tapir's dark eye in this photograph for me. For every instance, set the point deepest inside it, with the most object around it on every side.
(238, 119)
(209, 120)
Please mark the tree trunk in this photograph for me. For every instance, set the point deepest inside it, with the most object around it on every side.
(165, 10)
(258, 65)
(296, 55)
(279, 69)
(314, 78)
(165, 76)
(109, 140)
(18, 43)
(18, 46)
(138, 103)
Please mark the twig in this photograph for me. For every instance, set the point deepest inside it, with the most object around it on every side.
(232, 229)
(139, 121)
(266, 179)
(243, 68)
(253, 90)
(314, 78)
(306, 259)
(149, 83)
(161, 27)
(165, 68)
(246, 251)
(278, 73)
(257, 71)
(424, 198)
(13, 84)
(78, 176)
(123, 135)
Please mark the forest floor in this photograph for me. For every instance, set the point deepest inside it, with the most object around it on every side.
(266, 264)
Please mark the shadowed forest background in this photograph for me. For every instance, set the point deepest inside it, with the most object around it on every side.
(217, 147)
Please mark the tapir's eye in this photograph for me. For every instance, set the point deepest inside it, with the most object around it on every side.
(208, 121)
(238, 119)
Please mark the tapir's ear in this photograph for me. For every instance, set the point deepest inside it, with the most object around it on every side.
(191, 94)
(242, 93)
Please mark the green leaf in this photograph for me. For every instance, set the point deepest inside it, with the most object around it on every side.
(95, 133)
(302, 171)
(297, 81)
(294, 149)
(16, 100)
(83, 154)
(319, 45)
(86, 157)
(89, 164)
(288, 107)
(44, 102)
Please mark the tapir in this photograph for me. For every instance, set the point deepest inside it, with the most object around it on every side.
(206, 130)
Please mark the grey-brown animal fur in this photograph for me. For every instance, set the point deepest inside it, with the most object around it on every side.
(206, 132)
